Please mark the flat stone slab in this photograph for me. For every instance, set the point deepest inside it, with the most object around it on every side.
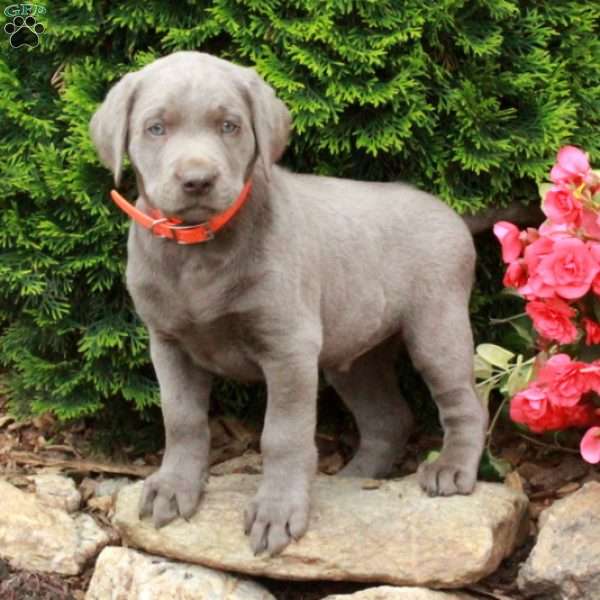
(565, 561)
(360, 530)
(36, 537)
(387, 592)
(126, 573)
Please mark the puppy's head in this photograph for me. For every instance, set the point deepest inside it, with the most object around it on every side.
(194, 127)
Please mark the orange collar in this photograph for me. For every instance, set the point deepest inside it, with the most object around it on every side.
(164, 227)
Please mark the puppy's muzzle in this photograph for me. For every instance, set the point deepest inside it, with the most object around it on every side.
(197, 179)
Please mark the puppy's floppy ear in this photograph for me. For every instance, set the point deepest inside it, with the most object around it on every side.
(271, 121)
(109, 125)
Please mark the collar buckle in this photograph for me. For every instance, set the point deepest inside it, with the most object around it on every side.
(154, 224)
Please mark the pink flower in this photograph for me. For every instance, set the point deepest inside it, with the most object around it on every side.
(508, 235)
(516, 275)
(552, 319)
(569, 269)
(595, 251)
(594, 248)
(592, 374)
(561, 206)
(563, 380)
(536, 250)
(531, 234)
(590, 445)
(590, 223)
(532, 407)
(529, 407)
(580, 415)
(572, 166)
(592, 332)
(555, 230)
(535, 286)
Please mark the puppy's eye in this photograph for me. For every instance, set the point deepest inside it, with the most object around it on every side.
(229, 127)
(157, 129)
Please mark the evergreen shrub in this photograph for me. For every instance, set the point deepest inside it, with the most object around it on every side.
(468, 99)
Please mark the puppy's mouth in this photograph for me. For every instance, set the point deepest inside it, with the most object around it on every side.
(197, 212)
(190, 211)
(188, 214)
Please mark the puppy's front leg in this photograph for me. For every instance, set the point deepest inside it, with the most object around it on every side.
(279, 511)
(175, 489)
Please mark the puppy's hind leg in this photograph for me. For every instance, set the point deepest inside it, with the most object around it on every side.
(440, 343)
(370, 390)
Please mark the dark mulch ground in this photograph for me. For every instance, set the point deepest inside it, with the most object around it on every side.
(21, 585)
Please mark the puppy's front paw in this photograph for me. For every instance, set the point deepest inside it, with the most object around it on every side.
(444, 477)
(167, 495)
(273, 520)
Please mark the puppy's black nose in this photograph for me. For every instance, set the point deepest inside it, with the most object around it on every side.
(197, 178)
(198, 184)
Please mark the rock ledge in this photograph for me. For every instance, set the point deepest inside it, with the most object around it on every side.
(392, 534)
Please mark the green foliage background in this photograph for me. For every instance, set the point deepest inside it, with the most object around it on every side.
(468, 99)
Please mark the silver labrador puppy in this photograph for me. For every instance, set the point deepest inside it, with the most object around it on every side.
(313, 272)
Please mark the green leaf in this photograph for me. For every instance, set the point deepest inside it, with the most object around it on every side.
(484, 391)
(524, 327)
(519, 378)
(432, 456)
(495, 355)
(482, 368)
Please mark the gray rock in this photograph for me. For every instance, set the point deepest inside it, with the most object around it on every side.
(125, 573)
(390, 533)
(386, 592)
(36, 537)
(57, 491)
(565, 561)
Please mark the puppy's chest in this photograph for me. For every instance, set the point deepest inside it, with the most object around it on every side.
(202, 317)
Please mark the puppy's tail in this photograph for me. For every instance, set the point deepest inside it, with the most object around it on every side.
(519, 214)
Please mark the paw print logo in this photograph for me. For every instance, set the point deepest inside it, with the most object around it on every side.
(24, 32)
